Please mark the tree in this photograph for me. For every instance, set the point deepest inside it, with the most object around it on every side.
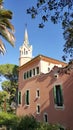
(9, 121)
(6, 28)
(56, 11)
(27, 123)
(11, 89)
(9, 71)
(10, 85)
(3, 97)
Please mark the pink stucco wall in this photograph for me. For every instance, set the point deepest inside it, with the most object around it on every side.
(45, 83)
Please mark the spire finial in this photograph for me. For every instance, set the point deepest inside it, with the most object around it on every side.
(26, 41)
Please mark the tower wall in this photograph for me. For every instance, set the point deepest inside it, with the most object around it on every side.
(24, 60)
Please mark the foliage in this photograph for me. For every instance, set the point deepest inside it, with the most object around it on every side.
(30, 123)
(9, 120)
(6, 85)
(56, 11)
(9, 71)
(10, 85)
(27, 123)
(46, 126)
(6, 28)
(3, 97)
(10, 88)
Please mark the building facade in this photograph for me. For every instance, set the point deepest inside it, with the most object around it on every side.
(45, 92)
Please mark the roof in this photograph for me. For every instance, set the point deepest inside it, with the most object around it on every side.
(44, 58)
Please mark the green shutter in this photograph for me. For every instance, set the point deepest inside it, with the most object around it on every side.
(55, 99)
(27, 97)
(61, 95)
(19, 97)
(24, 75)
(58, 102)
(34, 71)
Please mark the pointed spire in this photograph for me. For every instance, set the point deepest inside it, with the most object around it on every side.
(26, 41)
(25, 50)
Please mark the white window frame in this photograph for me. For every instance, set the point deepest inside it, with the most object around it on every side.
(44, 117)
(37, 93)
(38, 112)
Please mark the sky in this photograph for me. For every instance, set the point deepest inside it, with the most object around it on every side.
(47, 41)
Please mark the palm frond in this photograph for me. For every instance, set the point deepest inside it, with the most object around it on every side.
(6, 22)
(6, 14)
(2, 47)
(1, 1)
(6, 28)
(7, 35)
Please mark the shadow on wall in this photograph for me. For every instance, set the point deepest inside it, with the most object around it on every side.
(64, 114)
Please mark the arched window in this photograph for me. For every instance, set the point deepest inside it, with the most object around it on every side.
(24, 51)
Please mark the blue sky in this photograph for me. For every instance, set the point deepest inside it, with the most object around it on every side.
(47, 41)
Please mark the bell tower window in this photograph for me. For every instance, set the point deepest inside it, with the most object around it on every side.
(24, 51)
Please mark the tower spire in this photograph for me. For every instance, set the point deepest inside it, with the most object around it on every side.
(25, 50)
(26, 41)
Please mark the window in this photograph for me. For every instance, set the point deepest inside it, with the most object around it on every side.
(26, 52)
(30, 73)
(25, 76)
(45, 117)
(37, 70)
(38, 109)
(56, 75)
(37, 94)
(58, 97)
(27, 97)
(34, 71)
(48, 69)
(22, 52)
(19, 97)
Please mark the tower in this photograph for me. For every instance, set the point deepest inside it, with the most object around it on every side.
(25, 50)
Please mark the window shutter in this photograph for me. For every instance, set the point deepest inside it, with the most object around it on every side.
(58, 96)
(27, 97)
(55, 99)
(61, 95)
(19, 97)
